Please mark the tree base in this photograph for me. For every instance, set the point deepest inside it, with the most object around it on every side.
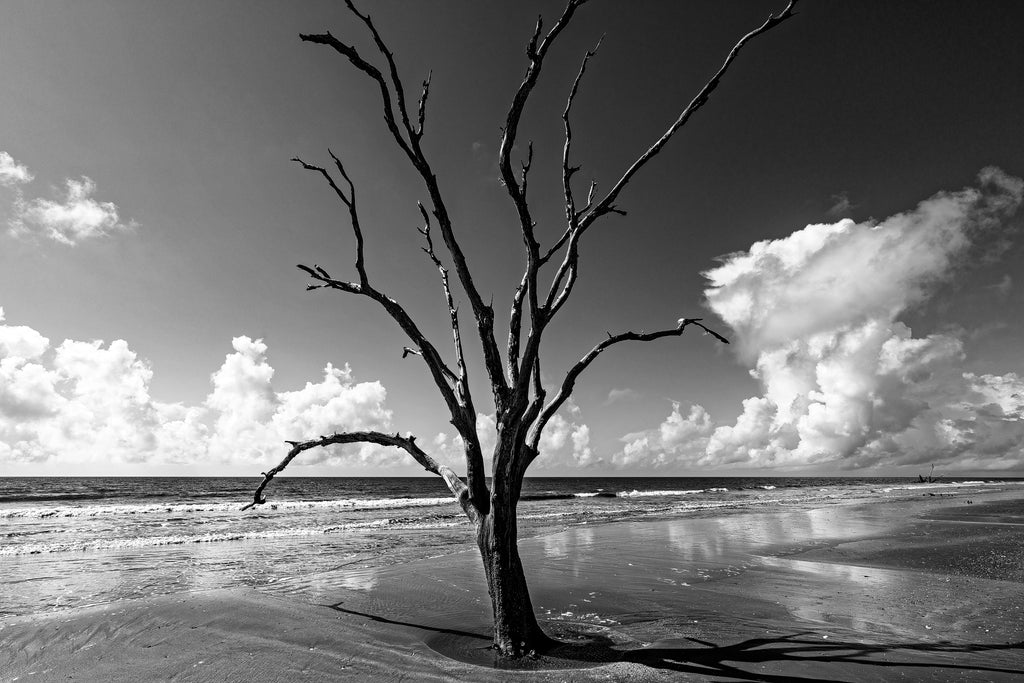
(574, 647)
(534, 648)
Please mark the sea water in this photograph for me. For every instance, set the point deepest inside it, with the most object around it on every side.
(74, 541)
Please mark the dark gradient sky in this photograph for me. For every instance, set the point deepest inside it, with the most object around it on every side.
(185, 115)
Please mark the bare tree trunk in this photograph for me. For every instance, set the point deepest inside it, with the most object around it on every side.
(516, 631)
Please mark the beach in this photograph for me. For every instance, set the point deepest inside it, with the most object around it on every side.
(913, 584)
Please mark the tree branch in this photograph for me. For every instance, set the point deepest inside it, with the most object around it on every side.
(474, 456)
(606, 205)
(396, 82)
(453, 312)
(349, 201)
(515, 323)
(409, 142)
(373, 72)
(407, 443)
(535, 52)
(526, 168)
(568, 170)
(551, 304)
(422, 108)
(440, 372)
(569, 383)
(580, 221)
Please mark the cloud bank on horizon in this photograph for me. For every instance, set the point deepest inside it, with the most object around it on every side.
(845, 384)
(89, 403)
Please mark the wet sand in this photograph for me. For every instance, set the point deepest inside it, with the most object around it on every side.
(920, 590)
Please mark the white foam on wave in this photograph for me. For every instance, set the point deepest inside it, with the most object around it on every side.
(640, 494)
(44, 512)
(940, 485)
(543, 515)
(712, 505)
(140, 542)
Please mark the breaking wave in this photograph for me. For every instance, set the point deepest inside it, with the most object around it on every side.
(140, 542)
(44, 512)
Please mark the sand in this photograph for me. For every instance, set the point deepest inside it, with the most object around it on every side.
(920, 590)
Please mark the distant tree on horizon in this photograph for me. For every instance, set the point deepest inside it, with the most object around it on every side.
(521, 403)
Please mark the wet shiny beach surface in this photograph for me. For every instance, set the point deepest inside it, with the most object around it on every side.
(841, 592)
(715, 583)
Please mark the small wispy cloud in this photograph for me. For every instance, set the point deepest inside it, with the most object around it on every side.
(11, 172)
(841, 206)
(617, 395)
(1003, 287)
(71, 218)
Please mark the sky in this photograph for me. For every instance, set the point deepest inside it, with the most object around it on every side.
(844, 209)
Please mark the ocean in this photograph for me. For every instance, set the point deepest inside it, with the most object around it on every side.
(75, 541)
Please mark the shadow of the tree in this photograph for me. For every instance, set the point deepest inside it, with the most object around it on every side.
(384, 620)
(726, 660)
(585, 650)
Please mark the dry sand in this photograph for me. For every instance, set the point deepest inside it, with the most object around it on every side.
(922, 590)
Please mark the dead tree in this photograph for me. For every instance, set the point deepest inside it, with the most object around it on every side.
(521, 402)
(931, 478)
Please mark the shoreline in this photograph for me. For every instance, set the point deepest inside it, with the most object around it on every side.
(76, 555)
(840, 592)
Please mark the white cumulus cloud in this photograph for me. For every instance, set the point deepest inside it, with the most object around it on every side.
(827, 276)
(75, 215)
(679, 440)
(564, 443)
(70, 219)
(89, 403)
(845, 383)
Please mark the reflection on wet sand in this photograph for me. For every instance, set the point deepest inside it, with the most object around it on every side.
(356, 580)
(681, 551)
(727, 592)
(854, 597)
(651, 570)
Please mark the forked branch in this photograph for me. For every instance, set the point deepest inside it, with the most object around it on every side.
(606, 205)
(568, 170)
(536, 50)
(569, 383)
(408, 140)
(441, 373)
(453, 312)
(580, 220)
(465, 420)
(349, 200)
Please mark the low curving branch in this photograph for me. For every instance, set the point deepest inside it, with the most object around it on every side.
(407, 443)
(569, 383)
